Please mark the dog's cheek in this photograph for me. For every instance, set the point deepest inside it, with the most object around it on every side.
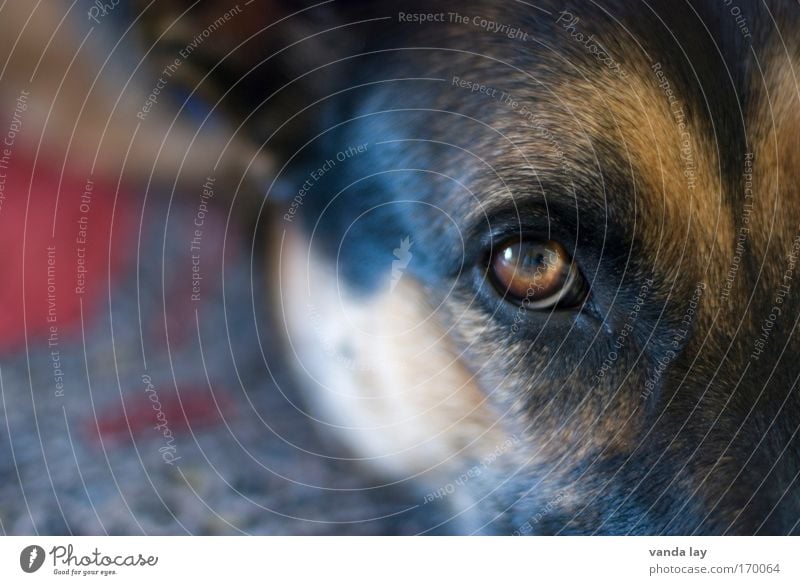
(380, 371)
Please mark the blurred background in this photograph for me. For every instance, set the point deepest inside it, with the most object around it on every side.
(142, 388)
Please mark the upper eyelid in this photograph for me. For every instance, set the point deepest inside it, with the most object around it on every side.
(504, 206)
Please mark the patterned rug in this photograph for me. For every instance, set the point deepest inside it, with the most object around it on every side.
(141, 387)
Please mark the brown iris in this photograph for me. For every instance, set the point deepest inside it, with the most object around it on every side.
(537, 274)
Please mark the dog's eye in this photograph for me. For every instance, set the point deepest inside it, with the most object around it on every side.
(537, 275)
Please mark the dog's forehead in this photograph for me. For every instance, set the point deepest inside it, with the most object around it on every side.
(660, 116)
(609, 114)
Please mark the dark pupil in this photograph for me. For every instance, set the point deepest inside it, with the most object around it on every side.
(532, 261)
(529, 270)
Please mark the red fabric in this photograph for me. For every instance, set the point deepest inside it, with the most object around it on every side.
(31, 202)
(195, 408)
(79, 221)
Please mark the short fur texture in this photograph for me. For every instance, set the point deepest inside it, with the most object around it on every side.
(658, 142)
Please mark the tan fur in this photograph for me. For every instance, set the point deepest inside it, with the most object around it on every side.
(775, 142)
(646, 130)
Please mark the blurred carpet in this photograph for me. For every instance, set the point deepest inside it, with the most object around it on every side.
(129, 407)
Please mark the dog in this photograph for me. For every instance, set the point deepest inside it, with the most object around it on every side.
(535, 261)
